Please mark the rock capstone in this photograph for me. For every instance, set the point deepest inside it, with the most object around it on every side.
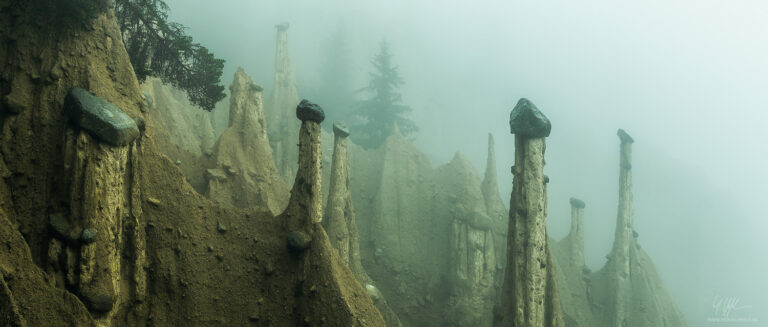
(527, 120)
(309, 111)
(624, 136)
(576, 203)
(340, 129)
(282, 26)
(100, 118)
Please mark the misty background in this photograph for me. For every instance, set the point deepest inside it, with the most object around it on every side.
(687, 79)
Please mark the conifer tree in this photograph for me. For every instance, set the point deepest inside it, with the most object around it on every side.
(162, 49)
(155, 46)
(376, 116)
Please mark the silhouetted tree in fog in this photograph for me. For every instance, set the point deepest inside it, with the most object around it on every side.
(156, 46)
(376, 116)
(162, 49)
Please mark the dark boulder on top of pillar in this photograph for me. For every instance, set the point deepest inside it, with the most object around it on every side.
(282, 26)
(624, 137)
(340, 129)
(309, 111)
(100, 118)
(578, 203)
(527, 120)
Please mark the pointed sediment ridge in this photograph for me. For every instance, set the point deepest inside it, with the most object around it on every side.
(245, 174)
(246, 109)
(529, 295)
(283, 129)
(494, 206)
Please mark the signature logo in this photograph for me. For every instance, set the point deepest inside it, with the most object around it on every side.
(726, 309)
(725, 305)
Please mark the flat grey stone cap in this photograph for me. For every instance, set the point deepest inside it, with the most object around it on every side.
(309, 111)
(527, 120)
(340, 129)
(576, 203)
(624, 137)
(99, 117)
(282, 26)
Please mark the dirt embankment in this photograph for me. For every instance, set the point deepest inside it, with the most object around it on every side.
(156, 252)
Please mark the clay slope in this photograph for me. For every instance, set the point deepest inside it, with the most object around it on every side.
(426, 236)
(116, 229)
(212, 266)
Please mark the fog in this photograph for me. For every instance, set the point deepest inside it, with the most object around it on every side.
(686, 79)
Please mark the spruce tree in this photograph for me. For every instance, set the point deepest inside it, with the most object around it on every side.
(155, 46)
(162, 49)
(376, 116)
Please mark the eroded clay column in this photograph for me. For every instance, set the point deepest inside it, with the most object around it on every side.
(576, 234)
(305, 206)
(619, 261)
(282, 128)
(529, 296)
(338, 195)
(624, 216)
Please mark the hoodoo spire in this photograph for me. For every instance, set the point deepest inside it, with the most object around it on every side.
(339, 211)
(305, 206)
(624, 235)
(490, 187)
(627, 291)
(283, 128)
(576, 235)
(529, 296)
(619, 261)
